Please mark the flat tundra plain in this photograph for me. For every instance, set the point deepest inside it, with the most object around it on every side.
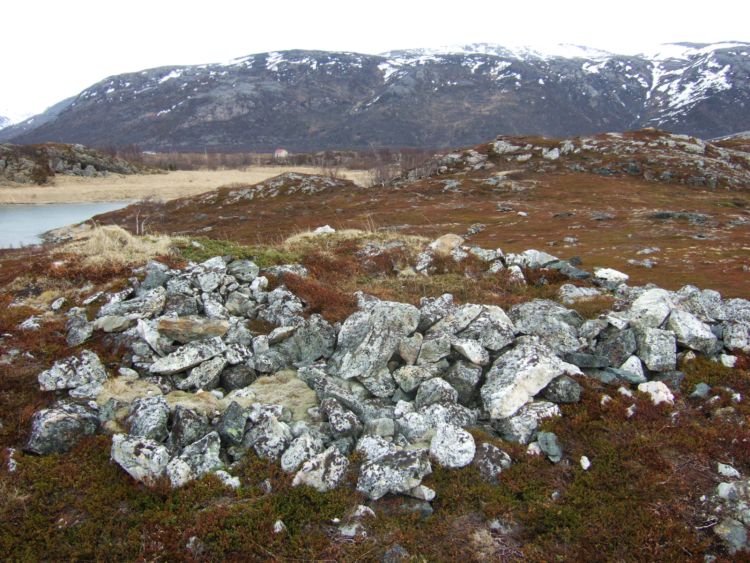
(165, 187)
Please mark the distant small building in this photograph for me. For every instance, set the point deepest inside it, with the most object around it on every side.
(280, 154)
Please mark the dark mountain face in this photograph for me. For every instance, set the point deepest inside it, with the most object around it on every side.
(311, 100)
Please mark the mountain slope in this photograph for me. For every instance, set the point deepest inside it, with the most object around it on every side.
(306, 100)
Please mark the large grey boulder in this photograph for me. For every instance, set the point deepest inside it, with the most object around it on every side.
(555, 325)
(146, 306)
(692, 333)
(522, 426)
(73, 372)
(196, 460)
(148, 418)
(394, 473)
(58, 428)
(143, 459)
(452, 446)
(434, 348)
(188, 356)
(324, 471)
(368, 339)
(518, 375)
(657, 348)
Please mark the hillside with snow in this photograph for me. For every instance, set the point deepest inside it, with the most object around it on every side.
(307, 100)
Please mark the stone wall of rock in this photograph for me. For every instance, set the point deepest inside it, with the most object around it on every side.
(399, 383)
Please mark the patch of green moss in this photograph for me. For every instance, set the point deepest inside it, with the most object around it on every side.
(263, 256)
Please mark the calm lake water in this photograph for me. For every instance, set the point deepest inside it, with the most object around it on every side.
(21, 225)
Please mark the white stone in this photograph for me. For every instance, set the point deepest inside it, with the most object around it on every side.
(651, 308)
(633, 365)
(727, 471)
(691, 332)
(518, 375)
(658, 392)
(145, 460)
(610, 276)
(472, 351)
(585, 463)
(279, 527)
(452, 446)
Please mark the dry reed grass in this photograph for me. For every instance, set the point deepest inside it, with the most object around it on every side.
(112, 245)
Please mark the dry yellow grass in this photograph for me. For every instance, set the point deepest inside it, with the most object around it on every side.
(113, 245)
(172, 185)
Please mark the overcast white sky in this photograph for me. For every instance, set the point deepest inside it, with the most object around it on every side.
(52, 49)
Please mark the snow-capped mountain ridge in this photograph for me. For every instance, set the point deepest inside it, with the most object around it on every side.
(415, 97)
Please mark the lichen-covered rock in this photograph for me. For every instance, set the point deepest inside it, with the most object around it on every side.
(523, 425)
(555, 325)
(188, 426)
(570, 294)
(492, 329)
(457, 320)
(300, 450)
(196, 460)
(188, 356)
(148, 418)
(368, 339)
(434, 348)
(452, 446)
(435, 390)
(283, 308)
(651, 308)
(324, 471)
(394, 473)
(146, 306)
(73, 372)
(490, 461)
(58, 428)
(518, 375)
(409, 378)
(343, 422)
(269, 437)
(464, 377)
(143, 459)
(231, 427)
(692, 333)
(205, 376)
(657, 348)
(243, 270)
(563, 389)
(471, 350)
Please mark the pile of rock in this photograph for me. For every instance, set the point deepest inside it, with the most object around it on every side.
(397, 383)
(33, 164)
